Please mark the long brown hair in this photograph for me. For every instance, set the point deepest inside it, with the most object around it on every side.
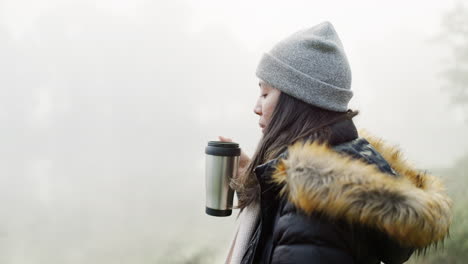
(291, 120)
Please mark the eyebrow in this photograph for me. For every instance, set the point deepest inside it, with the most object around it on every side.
(264, 87)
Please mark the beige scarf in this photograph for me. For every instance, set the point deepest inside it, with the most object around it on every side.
(245, 228)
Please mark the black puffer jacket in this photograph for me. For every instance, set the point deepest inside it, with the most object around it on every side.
(357, 201)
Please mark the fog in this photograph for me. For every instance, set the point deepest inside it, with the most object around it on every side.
(106, 108)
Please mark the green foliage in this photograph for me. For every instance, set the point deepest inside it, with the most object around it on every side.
(454, 249)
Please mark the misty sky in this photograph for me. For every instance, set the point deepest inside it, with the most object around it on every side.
(393, 58)
(106, 107)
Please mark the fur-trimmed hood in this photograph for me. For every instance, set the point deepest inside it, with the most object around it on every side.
(366, 181)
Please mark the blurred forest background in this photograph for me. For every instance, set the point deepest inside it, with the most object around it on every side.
(106, 107)
(455, 34)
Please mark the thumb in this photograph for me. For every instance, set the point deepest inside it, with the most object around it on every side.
(225, 139)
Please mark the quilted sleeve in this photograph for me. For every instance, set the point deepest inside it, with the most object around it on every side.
(299, 238)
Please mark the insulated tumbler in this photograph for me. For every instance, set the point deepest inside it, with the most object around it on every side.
(222, 162)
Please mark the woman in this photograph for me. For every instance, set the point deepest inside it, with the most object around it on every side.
(316, 190)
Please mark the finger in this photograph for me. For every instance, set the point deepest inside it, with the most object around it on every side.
(225, 139)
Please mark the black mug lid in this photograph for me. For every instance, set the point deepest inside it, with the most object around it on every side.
(222, 144)
(220, 148)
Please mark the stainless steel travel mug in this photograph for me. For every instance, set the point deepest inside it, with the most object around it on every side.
(222, 162)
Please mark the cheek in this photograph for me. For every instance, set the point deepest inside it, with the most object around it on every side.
(270, 103)
(268, 107)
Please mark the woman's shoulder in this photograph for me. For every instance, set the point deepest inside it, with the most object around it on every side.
(367, 182)
(362, 243)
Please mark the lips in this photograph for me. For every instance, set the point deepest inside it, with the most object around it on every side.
(262, 127)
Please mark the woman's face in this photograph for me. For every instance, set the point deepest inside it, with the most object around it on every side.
(266, 103)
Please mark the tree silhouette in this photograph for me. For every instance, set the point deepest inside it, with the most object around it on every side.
(455, 34)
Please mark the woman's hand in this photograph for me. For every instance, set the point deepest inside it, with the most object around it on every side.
(244, 160)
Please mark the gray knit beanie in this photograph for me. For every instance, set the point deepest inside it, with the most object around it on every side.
(311, 66)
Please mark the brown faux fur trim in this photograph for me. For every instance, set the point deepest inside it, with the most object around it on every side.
(413, 208)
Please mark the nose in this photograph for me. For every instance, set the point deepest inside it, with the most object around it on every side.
(257, 108)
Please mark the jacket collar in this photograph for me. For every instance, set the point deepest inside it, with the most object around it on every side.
(365, 181)
(264, 171)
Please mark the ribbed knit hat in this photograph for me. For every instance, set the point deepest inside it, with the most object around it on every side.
(310, 65)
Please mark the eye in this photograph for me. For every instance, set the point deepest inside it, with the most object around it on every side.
(264, 95)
